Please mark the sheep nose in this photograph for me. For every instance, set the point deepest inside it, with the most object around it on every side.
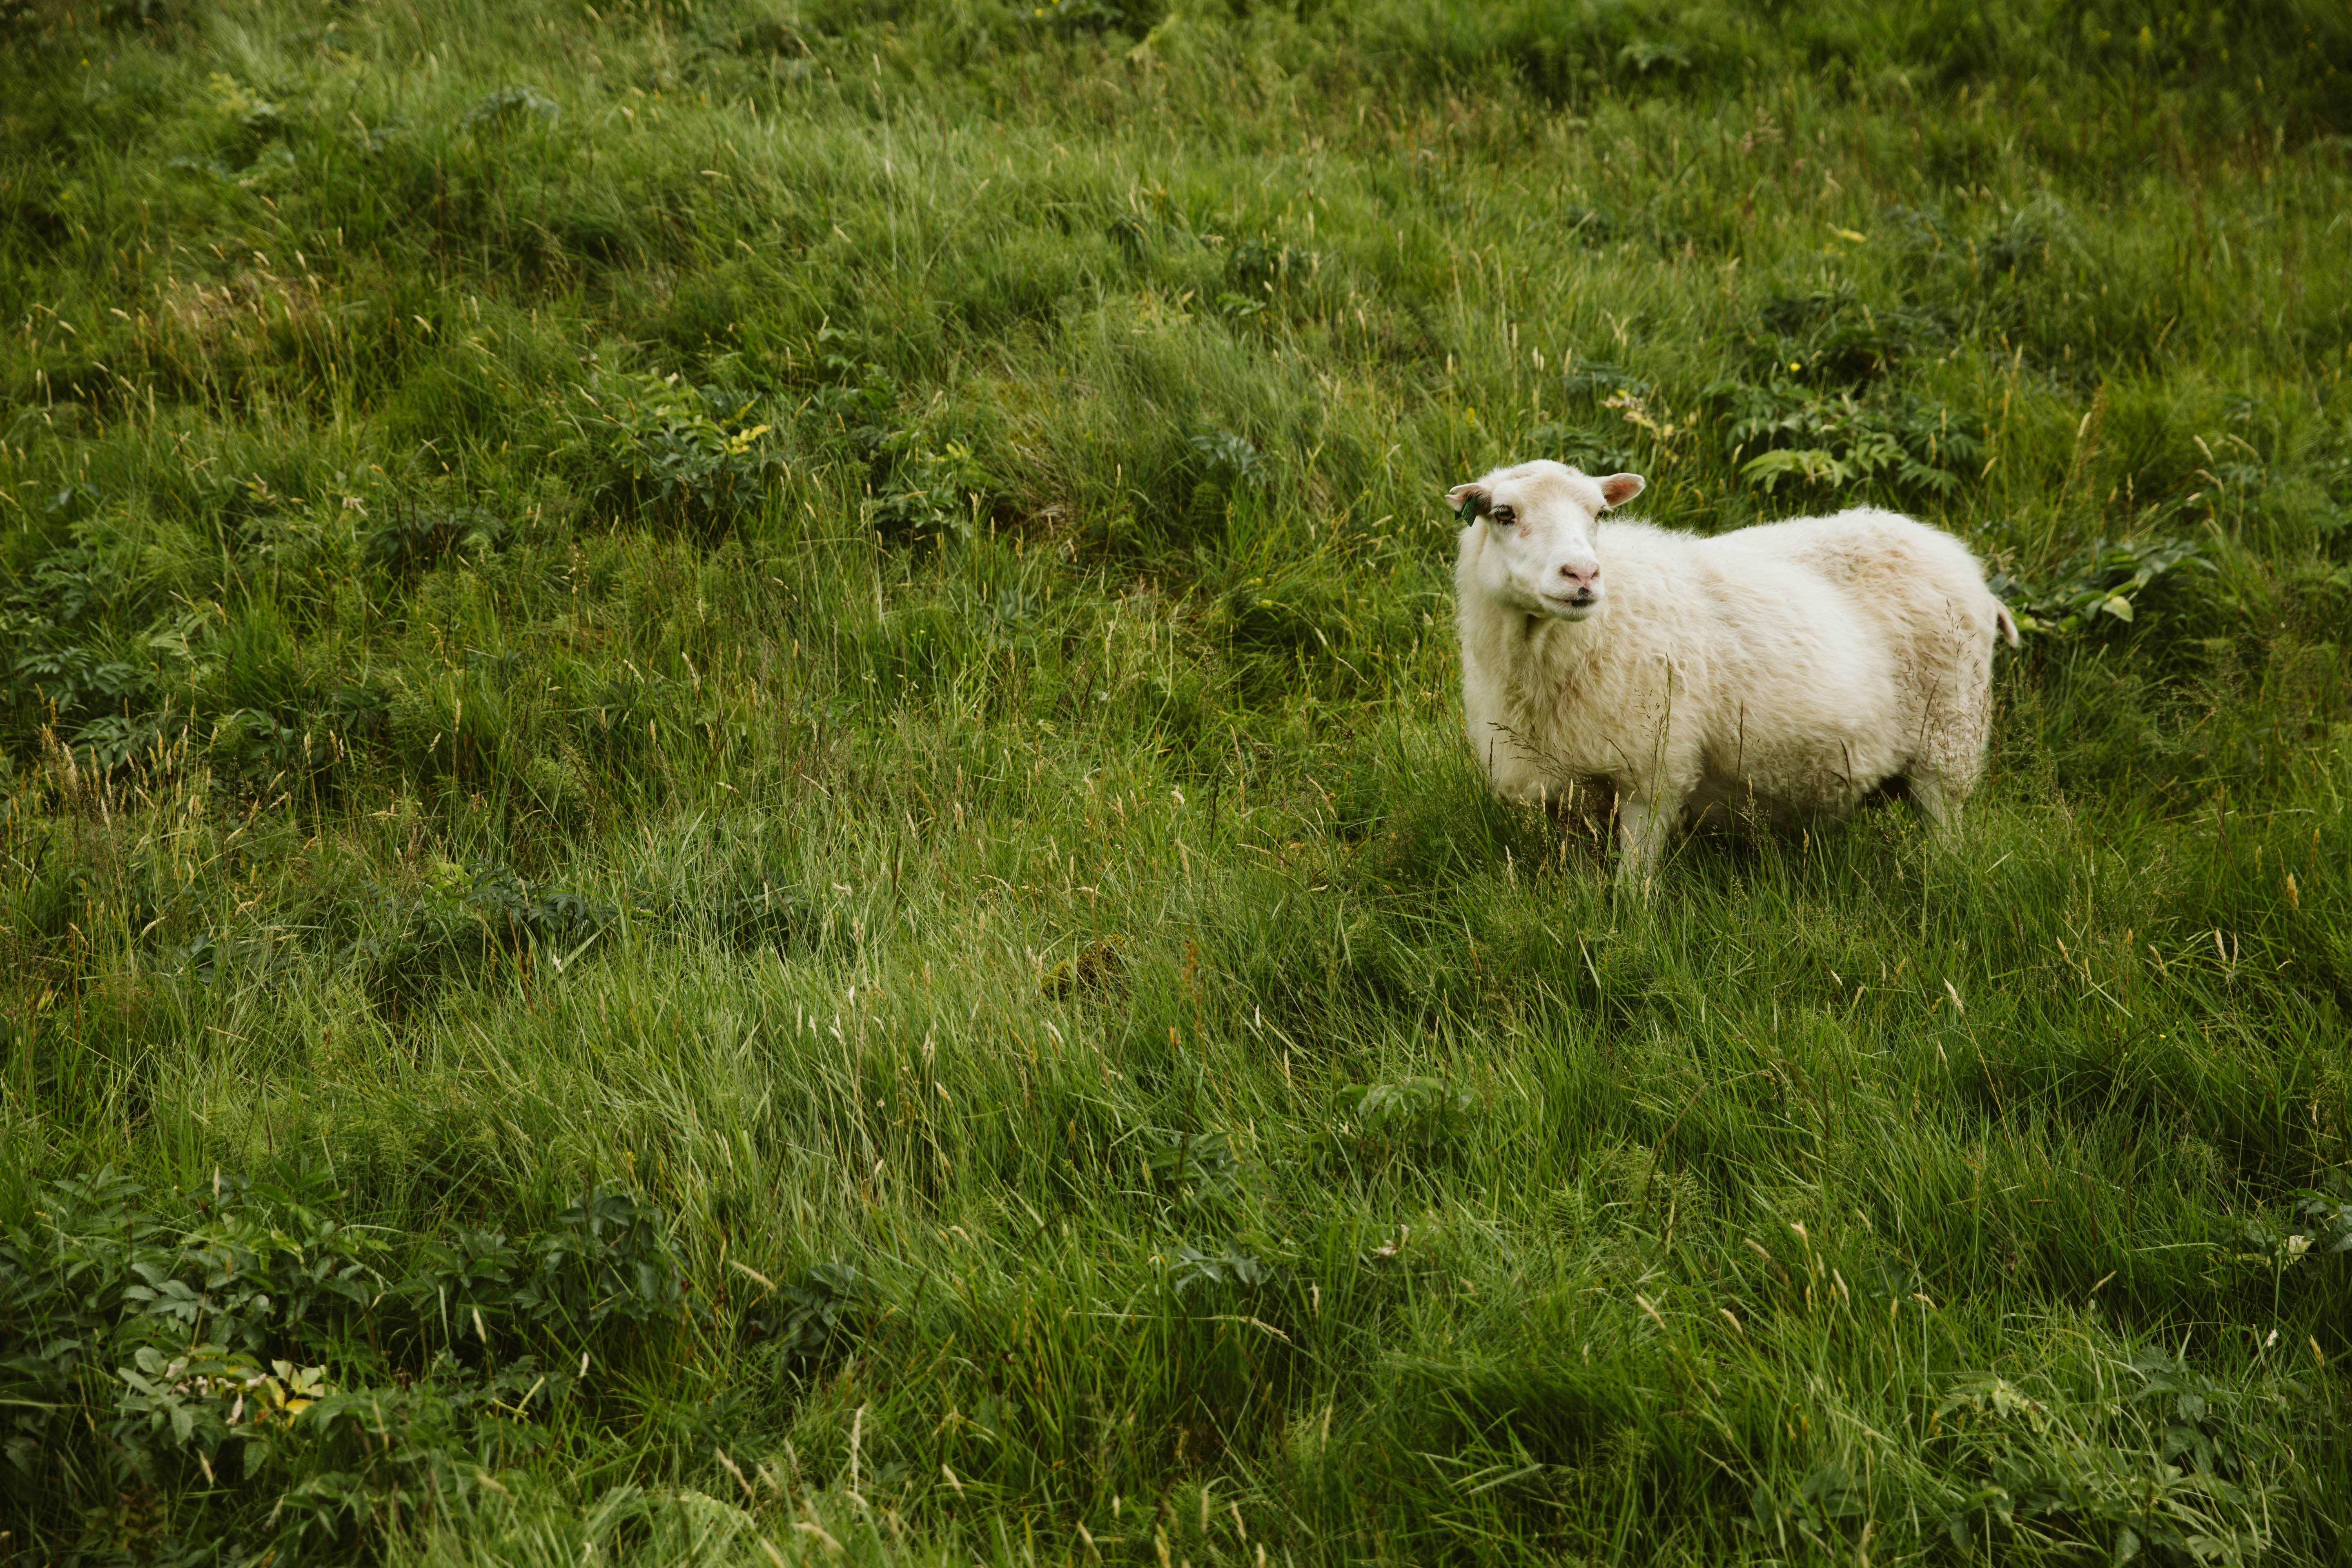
(1581, 577)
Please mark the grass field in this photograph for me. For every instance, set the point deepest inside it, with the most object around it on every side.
(735, 827)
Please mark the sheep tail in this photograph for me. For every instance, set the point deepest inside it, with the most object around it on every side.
(2007, 622)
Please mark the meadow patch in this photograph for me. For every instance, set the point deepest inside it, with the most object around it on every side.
(734, 824)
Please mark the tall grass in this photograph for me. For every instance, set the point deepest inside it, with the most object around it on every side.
(735, 827)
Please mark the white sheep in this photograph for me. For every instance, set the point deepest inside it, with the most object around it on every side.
(1786, 669)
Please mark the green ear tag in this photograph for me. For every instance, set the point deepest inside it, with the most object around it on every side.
(1468, 510)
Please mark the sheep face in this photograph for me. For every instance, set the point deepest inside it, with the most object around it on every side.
(1530, 543)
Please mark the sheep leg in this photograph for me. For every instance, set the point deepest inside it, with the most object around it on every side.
(1935, 802)
(1642, 824)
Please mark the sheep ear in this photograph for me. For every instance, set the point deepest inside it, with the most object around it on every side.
(1469, 501)
(1618, 489)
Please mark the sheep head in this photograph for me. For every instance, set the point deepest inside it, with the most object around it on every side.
(1528, 535)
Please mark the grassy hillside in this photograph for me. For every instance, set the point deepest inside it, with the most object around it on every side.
(736, 828)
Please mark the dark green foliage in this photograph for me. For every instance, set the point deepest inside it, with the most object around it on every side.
(2041, 1475)
(1412, 1115)
(418, 535)
(603, 1261)
(1784, 431)
(2101, 581)
(335, 1374)
(925, 491)
(508, 107)
(1239, 1272)
(1191, 1168)
(467, 923)
(816, 1317)
(684, 453)
(765, 916)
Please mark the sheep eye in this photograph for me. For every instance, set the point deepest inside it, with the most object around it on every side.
(1505, 516)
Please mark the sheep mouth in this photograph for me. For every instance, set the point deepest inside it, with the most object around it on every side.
(1570, 606)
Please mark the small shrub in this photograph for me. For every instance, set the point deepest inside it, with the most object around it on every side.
(814, 1318)
(58, 676)
(684, 453)
(1829, 337)
(2097, 584)
(1192, 1168)
(605, 1260)
(509, 108)
(112, 739)
(209, 959)
(1194, 1269)
(1089, 16)
(1414, 1114)
(305, 1381)
(1589, 450)
(766, 916)
(1096, 967)
(559, 786)
(56, 684)
(1823, 1509)
(462, 921)
(2327, 1218)
(419, 535)
(1229, 460)
(1785, 429)
(932, 491)
(357, 1458)
(2182, 1460)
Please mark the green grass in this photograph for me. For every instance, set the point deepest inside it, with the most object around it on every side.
(734, 789)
